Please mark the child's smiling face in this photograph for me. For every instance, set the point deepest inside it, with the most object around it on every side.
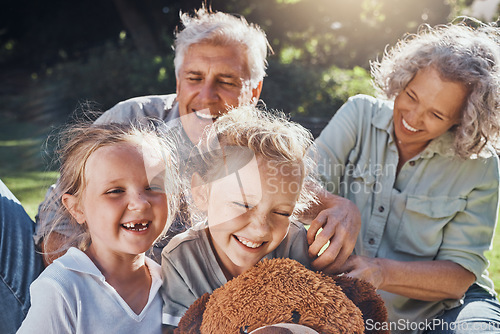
(123, 205)
(248, 211)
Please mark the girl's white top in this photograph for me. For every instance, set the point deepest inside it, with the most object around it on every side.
(72, 296)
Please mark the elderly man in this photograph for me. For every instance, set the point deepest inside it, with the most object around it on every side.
(220, 62)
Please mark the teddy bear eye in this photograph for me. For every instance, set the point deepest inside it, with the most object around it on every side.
(244, 330)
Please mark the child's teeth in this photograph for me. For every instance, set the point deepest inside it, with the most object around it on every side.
(132, 226)
(249, 243)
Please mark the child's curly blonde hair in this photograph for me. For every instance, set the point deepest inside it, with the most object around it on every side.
(247, 131)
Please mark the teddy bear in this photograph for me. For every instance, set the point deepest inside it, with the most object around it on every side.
(283, 291)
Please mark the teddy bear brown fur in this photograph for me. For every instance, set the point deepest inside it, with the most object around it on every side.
(284, 291)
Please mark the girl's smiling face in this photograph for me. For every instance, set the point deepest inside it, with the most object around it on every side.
(123, 203)
(248, 211)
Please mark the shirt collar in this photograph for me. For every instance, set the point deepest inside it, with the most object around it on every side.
(173, 120)
(383, 118)
(78, 261)
(442, 145)
(174, 112)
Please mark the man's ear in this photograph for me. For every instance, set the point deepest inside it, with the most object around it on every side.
(199, 191)
(256, 92)
(72, 205)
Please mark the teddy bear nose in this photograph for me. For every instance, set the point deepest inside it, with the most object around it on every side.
(295, 317)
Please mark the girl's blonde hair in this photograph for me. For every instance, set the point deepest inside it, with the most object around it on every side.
(77, 143)
(245, 132)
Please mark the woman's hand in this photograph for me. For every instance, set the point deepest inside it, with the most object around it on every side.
(365, 268)
(341, 222)
(422, 280)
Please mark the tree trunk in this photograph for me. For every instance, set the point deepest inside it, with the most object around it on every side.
(135, 23)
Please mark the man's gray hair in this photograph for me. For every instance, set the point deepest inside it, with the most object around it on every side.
(218, 28)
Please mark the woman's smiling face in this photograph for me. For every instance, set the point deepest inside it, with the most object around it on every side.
(427, 107)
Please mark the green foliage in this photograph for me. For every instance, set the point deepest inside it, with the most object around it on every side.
(312, 91)
(114, 73)
(98, 81)
(43, 33)
(338, 32)
(111, 74)
(70, 61)
(458, 7)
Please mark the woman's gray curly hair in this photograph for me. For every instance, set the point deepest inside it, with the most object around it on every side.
(460, 53)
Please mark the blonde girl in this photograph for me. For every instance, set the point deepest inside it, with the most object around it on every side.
(118, 185)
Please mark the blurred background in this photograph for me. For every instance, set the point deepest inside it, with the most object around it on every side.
(60, 56)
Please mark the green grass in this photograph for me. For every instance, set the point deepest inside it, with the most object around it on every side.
(23, 147)
(24, 161)
(30, 188)
(494, 257)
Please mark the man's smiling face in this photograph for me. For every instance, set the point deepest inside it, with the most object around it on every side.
(212, 79)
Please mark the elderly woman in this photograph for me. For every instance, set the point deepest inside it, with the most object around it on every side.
(422, 167)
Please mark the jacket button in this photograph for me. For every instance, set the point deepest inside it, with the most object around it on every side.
(371, 241)
(412, 163)
(381, 209)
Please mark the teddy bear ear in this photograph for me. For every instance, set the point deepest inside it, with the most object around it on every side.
(365, 297)
(190, 322)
